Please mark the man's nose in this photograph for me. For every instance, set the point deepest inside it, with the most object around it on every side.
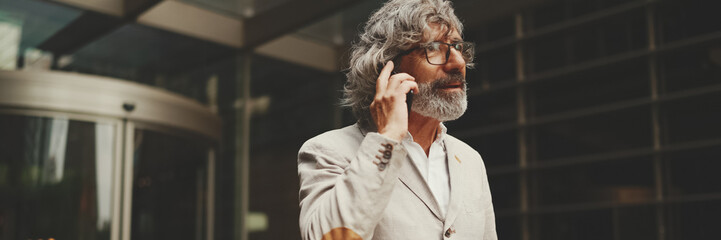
(456, 62)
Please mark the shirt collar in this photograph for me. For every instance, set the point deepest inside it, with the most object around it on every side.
(440, 136)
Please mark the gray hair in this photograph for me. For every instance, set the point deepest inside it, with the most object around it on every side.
(390, 30)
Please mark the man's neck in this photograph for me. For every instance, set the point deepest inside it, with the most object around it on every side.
(423, 129)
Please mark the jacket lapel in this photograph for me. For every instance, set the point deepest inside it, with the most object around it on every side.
(411, 178)
(455, 172)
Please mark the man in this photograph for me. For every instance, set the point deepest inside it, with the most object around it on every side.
(395, 174)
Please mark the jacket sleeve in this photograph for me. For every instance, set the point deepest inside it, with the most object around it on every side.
(345, 190)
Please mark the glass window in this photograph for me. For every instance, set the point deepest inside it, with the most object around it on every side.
(484, 110)
(693, 172)
(624, 181)
(296, 103)
(508, 228)
(497, 149)
(301, 104)
(586, 90)
(694, 220)
(694, 119)
(631, 129)
(56, 178)
(24, 26)
(627, 223)
(501, 64)
(154, 57)
(624, 33)
(547, 14)
(693, 69)
(571, 46)
(688, 18)
(547, 53)
(505, 190)
(495, 30)
(169, 187)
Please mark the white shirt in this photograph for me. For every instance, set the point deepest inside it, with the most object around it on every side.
(433, 167)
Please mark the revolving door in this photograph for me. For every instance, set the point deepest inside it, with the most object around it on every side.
(85, 157)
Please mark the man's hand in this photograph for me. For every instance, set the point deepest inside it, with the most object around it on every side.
(389, 108)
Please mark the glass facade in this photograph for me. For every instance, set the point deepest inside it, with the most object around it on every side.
(588, 114)
(56, 178)
(88, 173)
(169, 187)
(25, 26)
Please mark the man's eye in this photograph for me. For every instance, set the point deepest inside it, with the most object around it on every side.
(434, 46)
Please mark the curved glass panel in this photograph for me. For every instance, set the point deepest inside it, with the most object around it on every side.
(169, 187)
(56, 178)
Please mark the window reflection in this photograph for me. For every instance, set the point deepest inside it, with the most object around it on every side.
(103, 168)
(24, 26)
(168, 187)
(55, 161)
(11, 32)
(56, 178)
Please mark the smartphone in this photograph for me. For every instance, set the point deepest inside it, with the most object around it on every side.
(409, 95)
(409, 101)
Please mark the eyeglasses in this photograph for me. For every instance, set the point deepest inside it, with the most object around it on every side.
(437, 53)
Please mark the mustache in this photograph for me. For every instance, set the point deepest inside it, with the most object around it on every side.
(449, 79)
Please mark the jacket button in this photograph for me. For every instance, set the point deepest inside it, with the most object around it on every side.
(386, 154)
(448, 233)
(382, 166)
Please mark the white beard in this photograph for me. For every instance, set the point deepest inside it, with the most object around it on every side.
(438, 104)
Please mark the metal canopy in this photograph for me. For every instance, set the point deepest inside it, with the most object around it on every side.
(289, 17)
(236, 24)
(92, 25)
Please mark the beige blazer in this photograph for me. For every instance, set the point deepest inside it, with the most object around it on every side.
(345, 193)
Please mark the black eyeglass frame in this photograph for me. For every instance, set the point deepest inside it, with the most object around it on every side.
(465, 47)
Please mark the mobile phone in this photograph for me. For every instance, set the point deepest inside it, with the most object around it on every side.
(409, 101)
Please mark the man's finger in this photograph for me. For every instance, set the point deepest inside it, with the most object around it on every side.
(403, 76)
(396, 80)
(407, 86)
(382, 81)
